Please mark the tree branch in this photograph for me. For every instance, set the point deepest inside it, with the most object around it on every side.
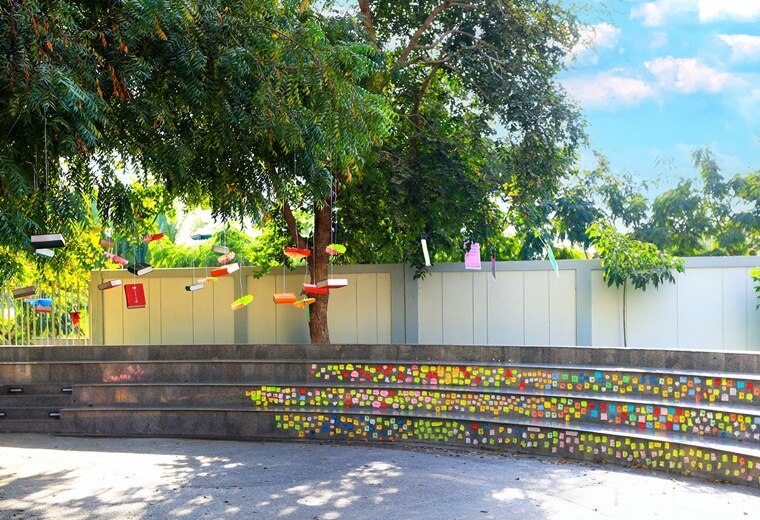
(290, 221)
(425, 26)
(368, 23)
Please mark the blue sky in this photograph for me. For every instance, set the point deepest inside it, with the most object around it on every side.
(658, 79)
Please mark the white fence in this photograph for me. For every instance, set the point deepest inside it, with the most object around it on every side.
(711, 306)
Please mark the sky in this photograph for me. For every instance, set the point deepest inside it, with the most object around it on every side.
(658, 79)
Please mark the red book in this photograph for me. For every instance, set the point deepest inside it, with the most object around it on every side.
(310, 288)
(135, 294)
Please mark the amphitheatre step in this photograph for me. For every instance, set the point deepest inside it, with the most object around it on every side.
(47, 425)
(708, 420)
(697, 387)
(34, 389)
(666, 452)
(703, 361)
(35, 400)
(30, 412)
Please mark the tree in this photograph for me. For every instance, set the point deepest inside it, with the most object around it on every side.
(453, 69)
(626, 260)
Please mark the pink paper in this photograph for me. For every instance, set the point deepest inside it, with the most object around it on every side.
(472, 257)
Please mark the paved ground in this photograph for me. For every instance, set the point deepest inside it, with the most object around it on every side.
(91, 478)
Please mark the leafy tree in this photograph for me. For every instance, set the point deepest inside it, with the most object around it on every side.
(453, 69)
(755, 274)
(626, 260)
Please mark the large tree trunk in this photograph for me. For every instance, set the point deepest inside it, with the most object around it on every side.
(318, 329)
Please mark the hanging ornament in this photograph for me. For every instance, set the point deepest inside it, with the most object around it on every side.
(297, 253)
(41, 304)
(310, 288)
(140, 269)
(425, 252)
(115, 258)
(302, 304)
(47, 241)
(472, 256)
(48, 253)
(335, 249)
(194, 287)
(110, 284)
(151, 238)
(223, 250)
(241, 302)
(106, 243)
(333, 283)
(283, 298)
(75, 318)
(207, 280)
(24, 292)
(135, 295)
(229, 257)
(200, 236)
(224, 271)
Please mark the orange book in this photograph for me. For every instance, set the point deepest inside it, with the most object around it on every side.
(284, 298)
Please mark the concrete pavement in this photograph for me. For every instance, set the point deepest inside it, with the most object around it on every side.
(72, 478)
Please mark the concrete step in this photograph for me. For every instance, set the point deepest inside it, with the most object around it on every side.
(579, 412)
(30, 412)
(701, 361)
(602, 382)
(34, 388)
(35, 400)
(679, 454)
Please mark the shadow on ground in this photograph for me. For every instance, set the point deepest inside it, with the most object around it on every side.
(90, 478)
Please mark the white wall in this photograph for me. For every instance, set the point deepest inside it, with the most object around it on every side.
(517, 307)
(711, 306)
(707, 308)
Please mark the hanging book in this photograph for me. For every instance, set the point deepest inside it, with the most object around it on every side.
(106, 243)
(284, 298)
(335, 249)
(151, 238)
(24, 292)
(135, 295)
(140, 269)
(333, 283)
(48, 253)
(48, 241)
(200, 236)
(115, 258)
(472, 256)
(310, 288)
(224, 271)
(222, 250)
(297, 253)
(224, 259)
(241, 302)
(425, 252)
(207, 280)
(301, 304)
(42, 304)
(110, 284)
(194, 287)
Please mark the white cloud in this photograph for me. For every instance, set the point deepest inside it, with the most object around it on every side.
(743, 46)
(688, 75)
(654, 14)
(658, 40)
(737, 10)
(608, 91)
(592, 38)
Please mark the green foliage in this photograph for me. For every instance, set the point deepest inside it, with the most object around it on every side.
(755, 274)
(627, 260)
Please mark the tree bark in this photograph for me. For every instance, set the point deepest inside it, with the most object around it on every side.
(318, 329)
(368, 23)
